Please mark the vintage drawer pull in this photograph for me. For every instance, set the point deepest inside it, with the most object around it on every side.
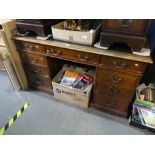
(119, 64)
(113, 90)
(116, 79)
(38, 82)
(110, 103)
(29, 47)
(82, 59)
(125, 23)
(56, 53)
(34, 70)
(34, 60)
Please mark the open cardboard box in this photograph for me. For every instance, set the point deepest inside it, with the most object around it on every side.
(87, 38)
(69, 94)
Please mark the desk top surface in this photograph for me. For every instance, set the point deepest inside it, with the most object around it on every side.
(89, 49)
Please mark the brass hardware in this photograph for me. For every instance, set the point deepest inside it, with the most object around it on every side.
(38, 82)
(119, 64)
(82, 59)
(109, 103)
(34, 60)
(71, 25)
(113, 89)
(116, 79)
(35, 70)
(126, 23)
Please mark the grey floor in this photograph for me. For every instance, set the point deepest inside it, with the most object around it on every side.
(45, 115)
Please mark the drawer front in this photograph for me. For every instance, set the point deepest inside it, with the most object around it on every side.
(112, 77)
(114, 91)
(72, 54)
(39, 80)
(30, 47)
(36, 69)
(122, 64)
(110, 103)
(33, 58)
(137, 26)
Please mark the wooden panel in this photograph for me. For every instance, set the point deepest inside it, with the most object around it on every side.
(115, 91)
(123, 64)
(72, 54)
(33, 58)
(112, 104)
(126, 25)
(36, 69)
(39, 80)
(123, 80)
(31, 47)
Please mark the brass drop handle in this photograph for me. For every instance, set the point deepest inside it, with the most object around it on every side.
(119, 64)
(113, 89)
(34, 60)
(109, 103)
(29, 47)
(38, 82)
(125, 23)
(116, 79)
(34, 70)
(54, 52)
(82, 59)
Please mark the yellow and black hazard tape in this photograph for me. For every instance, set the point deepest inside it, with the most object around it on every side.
(12, 120)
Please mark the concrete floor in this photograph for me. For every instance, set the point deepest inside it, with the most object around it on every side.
(45, 115)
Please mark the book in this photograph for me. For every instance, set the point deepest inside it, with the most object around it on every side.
(149, 117)
(69, 78)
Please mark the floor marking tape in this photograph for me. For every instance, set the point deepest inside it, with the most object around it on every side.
(12, 120)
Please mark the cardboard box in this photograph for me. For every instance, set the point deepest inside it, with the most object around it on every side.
(87, 38)
(69, 94)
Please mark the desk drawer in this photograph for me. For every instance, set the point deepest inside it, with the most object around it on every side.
(30, 47)
(36, 69)
(110, 103)
(122, 64)
(33, 58)
(112, 77)
(39, 80)
(73, 55)
(114, 91)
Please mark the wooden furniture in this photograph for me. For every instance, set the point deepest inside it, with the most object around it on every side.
(129, 31)
(42, 27)
(117, 74)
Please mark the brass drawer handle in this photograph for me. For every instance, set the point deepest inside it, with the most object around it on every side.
(54, 52)
(34, 60)
(34, 70)
(116, 79)
(109, 103)
(119, 64)
(38, 82)
(113, 90)
(82, 59)
(125, 23)
(29, 47)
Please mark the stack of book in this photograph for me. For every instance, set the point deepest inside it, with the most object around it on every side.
(143, 114)
(75, 79)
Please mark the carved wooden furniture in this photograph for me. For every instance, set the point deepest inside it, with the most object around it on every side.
(42, 27)
(129, 31)
(117, 73)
